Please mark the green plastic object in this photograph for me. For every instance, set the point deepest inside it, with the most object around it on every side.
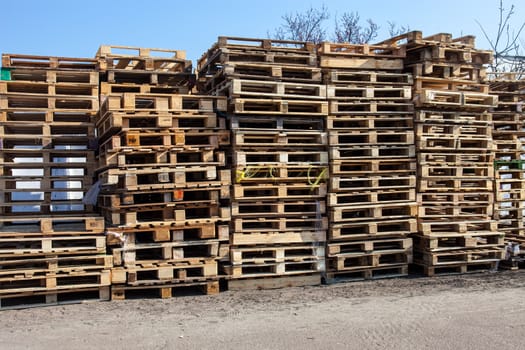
(5, 73)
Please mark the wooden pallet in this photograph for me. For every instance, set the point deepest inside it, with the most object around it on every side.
(51, 76)
(448, 241)
(165, 290)
(373, 182)
(53, 158)
(464, 118)
(178, 197)
(167, 216)
(337, 107)
(20, 115)
(366, 122)
(447, 70)
(453, 130)
(385, 211)
(451, 99)
(56, 90)
(160, 81)
(282, 172)
(276, 282)
(54, 297)
(113, 122)
(455, 205)
(165, 178)
(270, 89)
(372, 151)
(120, 84)
(450, 171)
(455, 158)
(370, 260)
(50, 225)
(55, 280)
(278, 138)
(283, 124)
(159, 139)
(274, 158)
(421, 83)
(50, 134)
(270, 191)
(455, 184)
(139, 58)
(38, 102)
(360, 197)
(164, 272)
(136, 253)
(47, 62)
(247, 255)
(41, 206)
(294, 225)
(348, 77)
(279, 107)
(271, 269)
(356, 248)
(380, 166)
(265, 236)
(158, 103)
(463, 227)
(281, 208)
(180, 233)
(455, 269)
(27, 266)
(372, 229)
(448, 53)
(147, 157)
(259, 71)
(370, 137)
(52, 245)
(446, 143)
(383, 94)
(366, 274)
(233, 49)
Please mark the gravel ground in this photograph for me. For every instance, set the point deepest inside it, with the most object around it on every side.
(478, 311)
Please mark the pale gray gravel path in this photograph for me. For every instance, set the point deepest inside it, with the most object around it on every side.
(482, 311)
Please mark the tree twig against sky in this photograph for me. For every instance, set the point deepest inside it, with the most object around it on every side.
(349, 30)
(310, 26)
(305, 26)
(506, 42)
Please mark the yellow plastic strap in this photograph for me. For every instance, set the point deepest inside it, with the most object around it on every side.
(240, 175)
(271, 171)
(245, 174)
(318, 179)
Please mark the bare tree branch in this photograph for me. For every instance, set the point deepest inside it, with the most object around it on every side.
(306, 26)
(507, 43)
(348, 29)
(395, 30)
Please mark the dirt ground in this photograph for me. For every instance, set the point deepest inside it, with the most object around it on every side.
(478, 311)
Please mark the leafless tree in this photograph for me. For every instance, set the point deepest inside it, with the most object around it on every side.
(306, 26)
(395, 30)
(506, 43)
(348, 29)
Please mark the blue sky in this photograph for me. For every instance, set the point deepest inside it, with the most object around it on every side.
(78, 28)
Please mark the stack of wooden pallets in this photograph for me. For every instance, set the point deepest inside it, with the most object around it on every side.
(456, 230)
(163, 189)
(277, 112)
(372, 192)
(52, 245)
(509, 139)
